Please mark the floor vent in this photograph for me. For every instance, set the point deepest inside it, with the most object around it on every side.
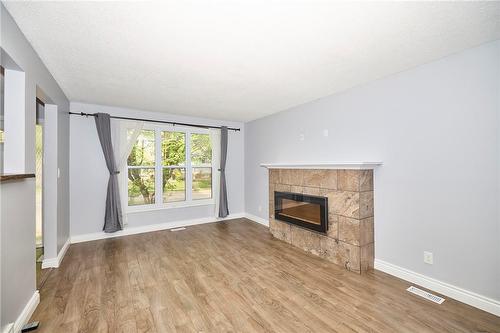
(178, 229)
(426, 295)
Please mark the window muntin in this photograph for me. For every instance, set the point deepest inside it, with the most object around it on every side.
(177, 172)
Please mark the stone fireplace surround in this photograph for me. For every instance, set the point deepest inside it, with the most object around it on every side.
(349, 240)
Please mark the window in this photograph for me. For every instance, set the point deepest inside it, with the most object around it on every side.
(173, 152)
(201, 161)
(141, 170)
(168, 167)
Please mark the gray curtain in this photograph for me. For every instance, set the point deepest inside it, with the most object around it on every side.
(113, 217)
(223, 210)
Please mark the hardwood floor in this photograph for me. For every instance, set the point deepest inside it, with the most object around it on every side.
(231, 277)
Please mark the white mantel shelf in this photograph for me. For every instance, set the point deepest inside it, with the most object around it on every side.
(325, 165)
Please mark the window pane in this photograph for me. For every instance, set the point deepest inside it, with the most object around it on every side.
(202, 183)
(141, 186)
(143, 152)
(201, 150)
(173, 148)
(174, 184)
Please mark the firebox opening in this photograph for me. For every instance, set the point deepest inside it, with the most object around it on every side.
(307, 211)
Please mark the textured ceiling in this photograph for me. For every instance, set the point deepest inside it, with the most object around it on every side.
(240, 60)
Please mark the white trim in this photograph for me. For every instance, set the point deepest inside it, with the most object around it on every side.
(25, 314)
(170, 205)
(459, 294)
(257, 219)
(323, 165)
(149, 228)
(55, 262)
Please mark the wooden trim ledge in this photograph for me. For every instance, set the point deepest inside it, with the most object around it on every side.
(15, 176)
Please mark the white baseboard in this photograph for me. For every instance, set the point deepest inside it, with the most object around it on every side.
(25, 315)
(459, 294)
(149, 228)
(55, 262)
(257, 219)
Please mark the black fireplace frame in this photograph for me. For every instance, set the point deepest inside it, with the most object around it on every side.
(322, 201)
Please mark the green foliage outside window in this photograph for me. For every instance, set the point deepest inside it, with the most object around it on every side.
(141, 180)
(201, 150)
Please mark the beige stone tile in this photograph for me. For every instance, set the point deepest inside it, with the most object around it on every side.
(366, 180)
(344, 203)
(306, 240)
(312, 178)
(349, 230)
(296, 189)
(271, 200)
(324, 191)
(365, 204)
(341, 253)
(291, 176)
(311, 190)
(274, 176)
(366, 231)
(271, 191)
(333, 225)
(329, 179)
(367, 257)
(326, 179)
(280, 230)
(353, 253)
(348, 180)
(282, 188)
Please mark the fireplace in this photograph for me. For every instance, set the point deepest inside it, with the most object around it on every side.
(327, 212)
(306, 211)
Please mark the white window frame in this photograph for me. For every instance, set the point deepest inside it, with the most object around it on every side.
(159, 204)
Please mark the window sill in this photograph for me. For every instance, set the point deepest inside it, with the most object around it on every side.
(173, 205)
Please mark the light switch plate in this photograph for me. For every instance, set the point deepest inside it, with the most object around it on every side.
(428, 258)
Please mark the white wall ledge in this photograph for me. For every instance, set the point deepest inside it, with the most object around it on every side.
(323, 165)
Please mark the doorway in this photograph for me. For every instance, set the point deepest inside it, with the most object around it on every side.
(40, 116)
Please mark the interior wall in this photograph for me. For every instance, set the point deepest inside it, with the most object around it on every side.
(89, 175)
(20, 279)
(436, 129)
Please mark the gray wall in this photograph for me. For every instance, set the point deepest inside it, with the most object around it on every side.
(18, 248)
(88, 189)
(20, 279)
(436, 129)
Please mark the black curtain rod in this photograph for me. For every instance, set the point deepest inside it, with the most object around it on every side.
(155, 121)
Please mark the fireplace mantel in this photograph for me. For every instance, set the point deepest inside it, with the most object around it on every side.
(324, 165)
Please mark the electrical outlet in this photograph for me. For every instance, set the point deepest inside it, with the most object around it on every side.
(325, 133)
(428, 258)
(260, 208)
(302, 137)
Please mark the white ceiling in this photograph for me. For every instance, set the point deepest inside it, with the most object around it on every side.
(240, 60)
